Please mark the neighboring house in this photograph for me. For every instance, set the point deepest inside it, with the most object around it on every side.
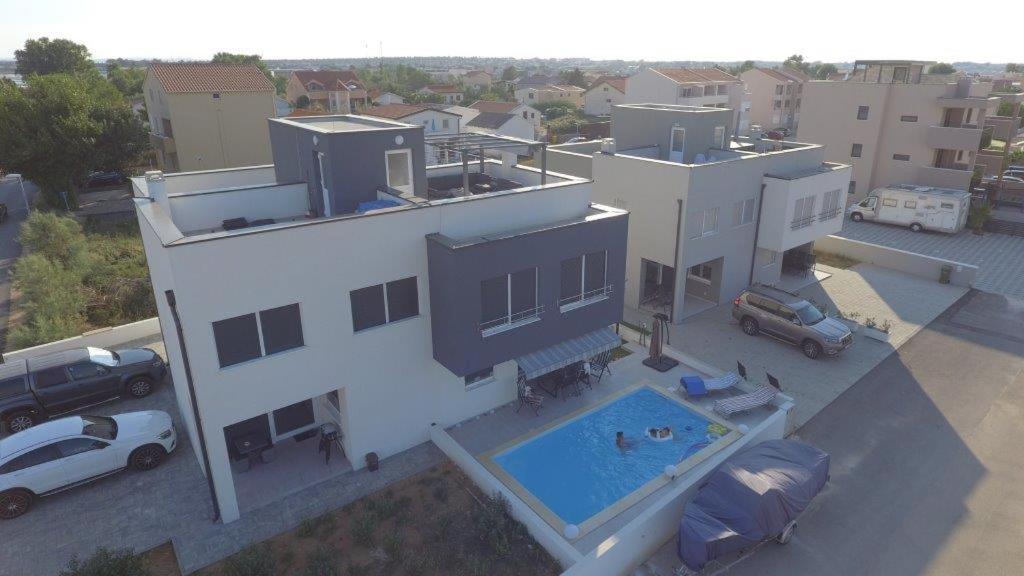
(478, 79)
(330, 91)
(384, 98)
(604, 93)
(550, 93)
(897, 125)
(334, 288)
(536, 81)
(451, 93)
(528, 113)
(433, 120)
(689, 87)
(206, 116)
(709, 215)
(466, 113)
(775, 96)
(503, 124)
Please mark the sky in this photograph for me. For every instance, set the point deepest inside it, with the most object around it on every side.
(826, 30)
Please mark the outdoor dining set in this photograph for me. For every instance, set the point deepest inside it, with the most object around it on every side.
(566, 381)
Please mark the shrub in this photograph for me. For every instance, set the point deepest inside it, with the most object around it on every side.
(325, 524)
(56, 238)
(393, 546)
(256, 560)
(104, 562)
(441, 493)
(363, 528)
(321, 563)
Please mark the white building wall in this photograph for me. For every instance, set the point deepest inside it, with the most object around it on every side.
(648, 86)
(598, 101)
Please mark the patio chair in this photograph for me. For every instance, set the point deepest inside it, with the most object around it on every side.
(571, 377)
(744, 402)
(527, 397)
(774, 382)
(599, 365)
(741, 370)
(723, 382)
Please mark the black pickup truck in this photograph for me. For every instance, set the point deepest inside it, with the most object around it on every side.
(39, 388)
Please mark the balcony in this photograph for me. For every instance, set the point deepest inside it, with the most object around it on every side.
(474, 326)
(780, 229)
(953, 138)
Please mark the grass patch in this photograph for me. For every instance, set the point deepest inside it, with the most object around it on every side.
(835, 260)
(620, 352)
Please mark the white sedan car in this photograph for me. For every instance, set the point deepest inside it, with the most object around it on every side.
(64, 453)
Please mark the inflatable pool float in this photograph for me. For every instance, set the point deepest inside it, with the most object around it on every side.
(717, 429)
(647, 433)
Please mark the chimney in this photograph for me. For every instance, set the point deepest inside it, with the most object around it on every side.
(608, 146)
(157, 188)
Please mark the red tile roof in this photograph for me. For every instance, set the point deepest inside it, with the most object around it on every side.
(494, 107)
(180, 77)
(696, 75)
(795, 74)
(329, 79)
(776, 74)
(617, 82)
(442, 88)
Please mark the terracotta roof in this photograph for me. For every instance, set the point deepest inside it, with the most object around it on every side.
(494, 107)
(442, 88)
(617, 82)
(329, 78)
(776, 74)
(795, 74)
(696, 75)
(207, 77)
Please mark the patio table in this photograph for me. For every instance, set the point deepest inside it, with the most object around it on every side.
(251, 446)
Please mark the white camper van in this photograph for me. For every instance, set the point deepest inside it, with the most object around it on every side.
(917, 207)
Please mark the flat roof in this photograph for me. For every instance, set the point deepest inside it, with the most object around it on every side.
(342, 123)
(869, 62)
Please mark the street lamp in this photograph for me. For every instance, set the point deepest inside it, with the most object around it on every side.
(21, 182)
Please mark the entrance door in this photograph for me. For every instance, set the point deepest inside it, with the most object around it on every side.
(677, 145)
(399, 170)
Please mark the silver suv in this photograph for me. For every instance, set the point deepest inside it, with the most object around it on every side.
(790, 318)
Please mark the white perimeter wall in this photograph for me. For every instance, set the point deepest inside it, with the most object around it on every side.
(908, 262)
(194, 212)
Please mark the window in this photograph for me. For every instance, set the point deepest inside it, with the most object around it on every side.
(856, 149)
(74, 446)
(778, 89)
(743, 212)
(787, 103)
(700, 272)
(862, 112)
(605, 88)
(293, 417)
(778, 104)
(890, 202)
(216, 95)
(803, 212)
(86, 370)
(40, 455)
(723, 89)
(530, 95)
(444, 123)
(383, 303)
(908, 118)
(798, 103)
(167, 128)
(51, 377)
(524, 115)
(479, 376)
(912, 204)
(583, 278)
(508, 300)
(830, 207)
(789, 89)
(703, 222)
(901, 157)
(853, 187)
(281, 328)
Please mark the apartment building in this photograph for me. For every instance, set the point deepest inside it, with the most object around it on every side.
(775, 96)
(709, 214)
(604, 93)
(351, 287)
(898, 125)
(690, 87)
(533, 95)
(206, 116)
(333, 91)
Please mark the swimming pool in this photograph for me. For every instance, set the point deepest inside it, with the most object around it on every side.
(575, 471)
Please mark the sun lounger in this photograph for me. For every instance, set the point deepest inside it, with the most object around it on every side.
(760, 397)
(695, 386)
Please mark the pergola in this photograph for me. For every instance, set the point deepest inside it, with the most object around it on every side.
(467, 143)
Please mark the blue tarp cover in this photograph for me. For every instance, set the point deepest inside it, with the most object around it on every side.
(375, 205)
(749, 498)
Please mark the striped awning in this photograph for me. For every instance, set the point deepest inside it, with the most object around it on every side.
(564, 353)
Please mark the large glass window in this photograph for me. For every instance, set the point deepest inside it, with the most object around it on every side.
(282, 328)
(237, 338)
(368, 307)
(583, 278)
(508, 299)
(403, 300)
(862, 112)
(744, 212)
(294, 417)
(594, 272)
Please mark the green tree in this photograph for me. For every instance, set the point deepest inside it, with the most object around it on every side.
(61, 126)
(574, 77)
(45, 56)
(1011, 67)
(941, 68)
(279, 82)
(824, 70)
(128, 81)
(509, 74)
(740, 68)
(796, 61)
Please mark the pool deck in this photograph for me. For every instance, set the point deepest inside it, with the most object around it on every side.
(486, 433)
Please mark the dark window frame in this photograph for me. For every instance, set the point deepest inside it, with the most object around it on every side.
(385, 291)
(901, 157)
(479, 377)
(856, 150)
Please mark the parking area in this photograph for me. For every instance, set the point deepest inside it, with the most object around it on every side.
(1000, 257)
(908, 302)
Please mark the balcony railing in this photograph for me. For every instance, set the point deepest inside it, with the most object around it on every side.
(799, 223)
(829, 214)
(510, 321)
(582, 299)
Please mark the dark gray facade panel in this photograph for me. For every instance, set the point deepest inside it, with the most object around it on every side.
(455, 276)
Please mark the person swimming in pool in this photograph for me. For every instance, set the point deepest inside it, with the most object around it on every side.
(620, 440)
(663, 432)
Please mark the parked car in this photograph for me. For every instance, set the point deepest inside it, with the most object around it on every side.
(101, 179)
(575, 140)
(37, 389)
(67, 452)
(791, 319)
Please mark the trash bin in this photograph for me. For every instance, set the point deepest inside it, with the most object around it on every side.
(372, 461)
(945, 273)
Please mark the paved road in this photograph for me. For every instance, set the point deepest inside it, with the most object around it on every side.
(1000, 257)
(927, 468)
(10, 249)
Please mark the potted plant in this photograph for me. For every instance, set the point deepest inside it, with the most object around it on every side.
(849, 319)
(978, 216)
(877, 331)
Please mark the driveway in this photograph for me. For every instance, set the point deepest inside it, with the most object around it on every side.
(927, 468)
(10, 248)
(999, 257)
(909, 302)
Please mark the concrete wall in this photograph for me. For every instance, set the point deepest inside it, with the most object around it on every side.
(195, 212)
(220, 179)
(575, 159)
(110, 337)
(907, 262)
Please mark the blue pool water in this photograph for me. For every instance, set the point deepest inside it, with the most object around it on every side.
(576, 469)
